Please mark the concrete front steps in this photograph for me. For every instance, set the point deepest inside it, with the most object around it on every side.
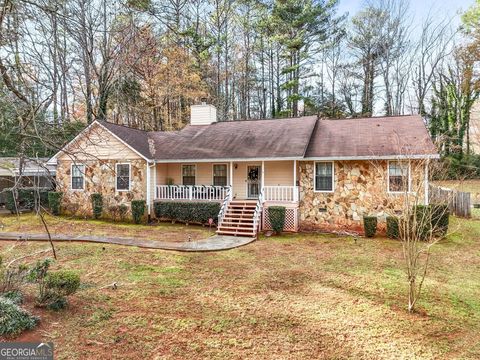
(238, 219)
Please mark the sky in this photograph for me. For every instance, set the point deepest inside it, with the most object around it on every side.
(418, 8)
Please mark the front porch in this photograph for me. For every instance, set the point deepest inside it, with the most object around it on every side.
(259, 183)
(273, 181)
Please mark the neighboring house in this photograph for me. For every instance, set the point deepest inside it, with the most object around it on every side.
(35, 173)
(327, 173)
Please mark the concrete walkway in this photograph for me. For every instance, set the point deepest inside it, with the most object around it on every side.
(213, 243)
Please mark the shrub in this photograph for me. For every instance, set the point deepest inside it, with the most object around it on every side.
(189, 212)
(118, 211)
(62, 282)
(25, 198)
(55, 202)
(423, 221)
(14, 319)
(53, 287)
(370, 225)
(138, 210)
(122, 211)
(440, 219)
(15, 296)
(276, 214)
(393, 231)
(97, 205)
(12, 278)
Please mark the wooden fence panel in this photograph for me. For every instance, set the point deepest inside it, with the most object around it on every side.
(459, 203)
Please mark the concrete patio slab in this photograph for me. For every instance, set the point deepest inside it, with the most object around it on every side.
(213, 243)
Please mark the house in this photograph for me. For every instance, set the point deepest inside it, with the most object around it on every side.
(327, 173)
(35, 173)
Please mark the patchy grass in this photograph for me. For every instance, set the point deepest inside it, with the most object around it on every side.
(292, 296)
(30, 223)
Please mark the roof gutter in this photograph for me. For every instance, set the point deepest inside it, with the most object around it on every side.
(374, 157)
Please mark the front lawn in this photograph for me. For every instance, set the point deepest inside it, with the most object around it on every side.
(297, 296)
(163, 231)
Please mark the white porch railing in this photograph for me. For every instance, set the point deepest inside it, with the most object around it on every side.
(191, 192)
(280, 193)
(225, 202)
(258, 212)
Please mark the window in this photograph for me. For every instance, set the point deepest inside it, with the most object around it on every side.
(78, 177)
(188, 174)
(123, 177)
(220, 175)
(398, 176)
(324, 176)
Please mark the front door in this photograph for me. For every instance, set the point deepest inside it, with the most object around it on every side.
(253, 181)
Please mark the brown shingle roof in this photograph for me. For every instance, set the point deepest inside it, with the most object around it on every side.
(304, 137)
(371, 137)
(137, 139)
(280, 138)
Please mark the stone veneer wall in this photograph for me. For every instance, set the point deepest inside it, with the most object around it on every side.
(100, 178)
(360, 189)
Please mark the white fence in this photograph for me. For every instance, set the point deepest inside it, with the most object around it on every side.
(191, 192)
(280, 193)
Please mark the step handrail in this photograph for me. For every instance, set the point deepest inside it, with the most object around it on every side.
(258, 211)
(226, 200)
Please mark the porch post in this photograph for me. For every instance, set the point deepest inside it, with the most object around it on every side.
(148, 190)
(155, 195)
(295, 190)
(263, 175)
(231, 180)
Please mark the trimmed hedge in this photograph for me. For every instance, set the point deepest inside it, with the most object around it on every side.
(138, 210)
(62, 282)
(25, 198)
(276, 215)
(393, 228)
(97, 205)
(370, 225)
(55, 202)
(188, 212)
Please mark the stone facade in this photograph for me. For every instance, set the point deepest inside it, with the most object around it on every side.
(100, 178)
(360, 188)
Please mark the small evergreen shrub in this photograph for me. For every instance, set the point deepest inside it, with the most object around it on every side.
(276, 215)
(393, 230)
(14, 295)
(138, 210)
(188, 212)
(14, 319)
(440, 219)
(97, 205)
(55, 202)
(370, 226)
(53, 287)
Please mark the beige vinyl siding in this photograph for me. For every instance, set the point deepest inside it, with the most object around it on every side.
(98, 144)
(279, 173)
